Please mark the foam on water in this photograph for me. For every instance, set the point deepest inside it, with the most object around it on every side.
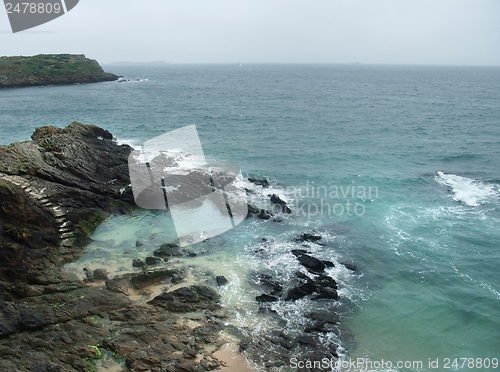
(466, 190)
(130, 142)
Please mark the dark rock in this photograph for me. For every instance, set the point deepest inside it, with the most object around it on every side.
(266, 298)
(119, 285)
(259, 181)
(138, 263)
(207, 333)
(139, 243)
(311, 263)
(301, 275)
(279, 337)
(329, 263)
(190, 353)
(318, 327)
(268, 282)
(298, 252)
(168, 250)
(153, 261)
(276, 200)
(221, 280)
(325, 281)
(188, 299)
(305, 237)
(100, 274)
(61, 288)
(300, 291)
(326, 293)
(323, 316)
(307, 340)
(259, 213)
(142, 280)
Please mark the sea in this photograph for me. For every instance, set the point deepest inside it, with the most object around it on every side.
(396, 167)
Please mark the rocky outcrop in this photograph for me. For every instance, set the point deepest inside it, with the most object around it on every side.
(51, 69)
(276, 200)
(54, 190)
(188, 299)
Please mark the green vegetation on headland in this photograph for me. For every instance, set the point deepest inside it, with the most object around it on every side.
(50, 69)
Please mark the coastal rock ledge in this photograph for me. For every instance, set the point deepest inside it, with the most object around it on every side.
(54, 190)
(51, 69)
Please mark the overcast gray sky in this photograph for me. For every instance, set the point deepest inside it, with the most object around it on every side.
(457, 32)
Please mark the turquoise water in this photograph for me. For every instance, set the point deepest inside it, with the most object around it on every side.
(424, 140)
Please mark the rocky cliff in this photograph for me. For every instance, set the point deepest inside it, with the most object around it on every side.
(50, 69)
(54, 190)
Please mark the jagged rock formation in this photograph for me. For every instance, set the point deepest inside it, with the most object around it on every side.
(54, 191)
(51, 69)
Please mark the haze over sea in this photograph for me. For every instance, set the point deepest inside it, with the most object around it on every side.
(424, 140)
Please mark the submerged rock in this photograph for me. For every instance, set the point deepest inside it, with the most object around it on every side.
(259, 213)
(349, 266)
(268, 282)
(259, 181)
(168, 250)
(305, 237)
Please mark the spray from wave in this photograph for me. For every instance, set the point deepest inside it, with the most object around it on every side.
(466, 190)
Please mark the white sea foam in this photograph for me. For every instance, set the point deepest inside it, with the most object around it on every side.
(125, 80)
(466, 190)
(129, 142)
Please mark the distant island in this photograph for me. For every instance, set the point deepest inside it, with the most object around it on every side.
(51, 69)
(128, 63)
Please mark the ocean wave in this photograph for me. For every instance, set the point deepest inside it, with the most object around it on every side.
(129, 142)
(467, 190)
(125, 80)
